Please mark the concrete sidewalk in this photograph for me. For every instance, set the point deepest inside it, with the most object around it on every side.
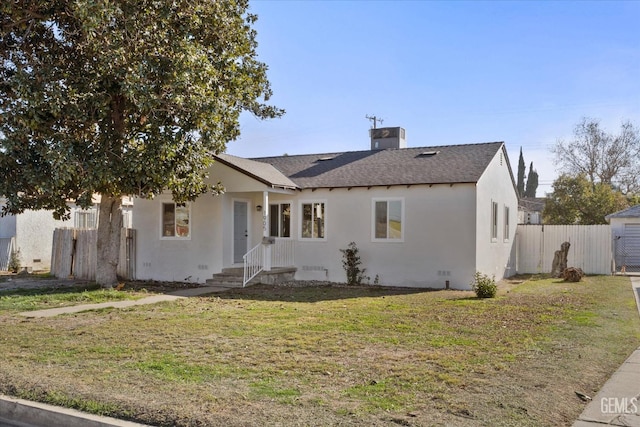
(618, 402)
(191, 292)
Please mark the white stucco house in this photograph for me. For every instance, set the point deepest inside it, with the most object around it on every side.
(421, 217)
(625, 231)
(31, 232)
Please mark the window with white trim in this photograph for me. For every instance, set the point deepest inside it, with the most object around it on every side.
(313, 220)
(86, 219)
(388, 218)
(505, 233)
(176, 220)
(494, 221)
(280, 220)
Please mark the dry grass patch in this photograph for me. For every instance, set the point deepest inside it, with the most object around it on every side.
(332, 355)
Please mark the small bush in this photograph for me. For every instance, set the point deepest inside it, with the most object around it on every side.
(14, 261)
(351, 263)
(484, 286)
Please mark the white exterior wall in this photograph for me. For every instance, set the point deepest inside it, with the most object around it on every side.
(34, 237)
(7, 226)
(438, 241)
(210, 247)
(496, 257)
(617, 225)
(192, 259)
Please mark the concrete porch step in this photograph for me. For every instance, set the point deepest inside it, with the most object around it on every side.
(232, 277)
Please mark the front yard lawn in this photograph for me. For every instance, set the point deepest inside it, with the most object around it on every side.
(331, 355)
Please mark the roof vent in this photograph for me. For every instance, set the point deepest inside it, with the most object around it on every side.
(324, 159)
(428, 153)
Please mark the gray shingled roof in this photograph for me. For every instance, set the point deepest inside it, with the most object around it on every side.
(405, 166)
(632, 212)
(264, 173)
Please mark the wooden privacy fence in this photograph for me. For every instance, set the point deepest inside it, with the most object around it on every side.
(75, 253)
(590, 249)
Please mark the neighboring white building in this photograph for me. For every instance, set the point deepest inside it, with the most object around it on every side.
(530, 210)
(625, 231)
(421, 217)
(31, 232)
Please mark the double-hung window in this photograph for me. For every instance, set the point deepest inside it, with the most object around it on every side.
(280, 220)
(313, 220)
(388, 219)
(494, 221)
(505, 233)
(176, 220)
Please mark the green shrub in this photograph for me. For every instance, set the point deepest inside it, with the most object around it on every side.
(351, 263)
(14, 261)
(484, 286)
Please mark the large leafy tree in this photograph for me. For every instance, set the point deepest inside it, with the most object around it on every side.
(574, 200)
(601, 156)
(124, 97)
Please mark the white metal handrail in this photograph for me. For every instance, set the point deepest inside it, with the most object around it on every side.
(279, 254)
(253, 263)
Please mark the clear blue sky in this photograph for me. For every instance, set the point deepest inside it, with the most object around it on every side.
(448, 72)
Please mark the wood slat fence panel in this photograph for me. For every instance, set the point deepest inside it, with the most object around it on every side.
(75, 253)
(591, 247)
(62, 252)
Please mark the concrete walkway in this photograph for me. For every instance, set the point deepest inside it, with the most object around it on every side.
(191, 292)
(618, 402)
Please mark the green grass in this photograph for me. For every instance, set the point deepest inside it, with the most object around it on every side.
(43, 298)
(329, 355)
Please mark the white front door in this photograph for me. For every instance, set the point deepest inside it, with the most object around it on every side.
(240, 230)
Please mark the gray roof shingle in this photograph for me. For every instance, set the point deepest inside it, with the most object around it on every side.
(264, 173)
(632, 212)
(405, 166)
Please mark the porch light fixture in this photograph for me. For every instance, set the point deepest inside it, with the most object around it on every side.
(259, 208)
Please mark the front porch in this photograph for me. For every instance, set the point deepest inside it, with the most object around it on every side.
(234, 277)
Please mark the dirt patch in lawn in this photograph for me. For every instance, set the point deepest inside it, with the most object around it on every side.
(332, 355)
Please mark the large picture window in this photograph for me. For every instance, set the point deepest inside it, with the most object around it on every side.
(176, 221)
(313, 220)
(388, 218)
(280, 220)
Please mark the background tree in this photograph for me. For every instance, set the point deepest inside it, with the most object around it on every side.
(121, 98)
(601, 156)
(532, 182)
(574, 200)
(521, 172)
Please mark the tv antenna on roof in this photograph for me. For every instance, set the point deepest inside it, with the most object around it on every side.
(374, 119)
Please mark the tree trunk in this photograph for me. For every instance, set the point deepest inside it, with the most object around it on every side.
(109, 228)
(559, 264)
